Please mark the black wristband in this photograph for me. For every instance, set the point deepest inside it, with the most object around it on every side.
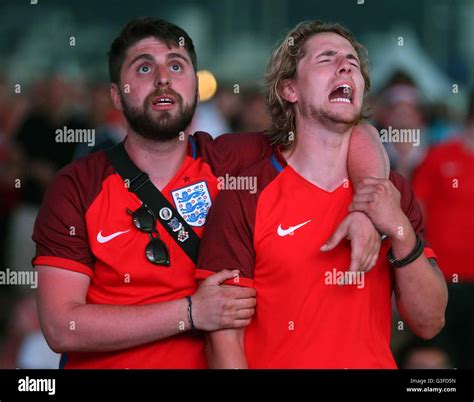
(190, 313)
(414, 254)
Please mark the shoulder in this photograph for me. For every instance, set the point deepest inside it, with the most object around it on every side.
(259, 138)
(88, 169)
(264, 171)
(81, 180)
(241, 143)
(200, 139)
(232, 153)
(232, 142)
(96, 161)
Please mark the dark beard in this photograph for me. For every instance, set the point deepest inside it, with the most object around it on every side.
(163, 128)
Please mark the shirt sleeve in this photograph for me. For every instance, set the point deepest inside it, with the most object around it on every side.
(227, 242)
(60, 231)
(233, 153)
(412, 209)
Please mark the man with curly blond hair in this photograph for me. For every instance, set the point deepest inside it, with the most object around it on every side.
(314, 308)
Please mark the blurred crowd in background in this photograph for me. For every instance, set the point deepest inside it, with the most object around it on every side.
(440, 168)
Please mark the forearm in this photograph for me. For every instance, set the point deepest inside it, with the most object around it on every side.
(421, 291)
(101, 328)
(225, 349)
(367, 156)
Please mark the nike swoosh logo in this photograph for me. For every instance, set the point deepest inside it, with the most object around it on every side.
(284, 232)
(105, 239)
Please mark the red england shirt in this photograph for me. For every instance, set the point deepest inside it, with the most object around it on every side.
(305, 316)
(83, 226)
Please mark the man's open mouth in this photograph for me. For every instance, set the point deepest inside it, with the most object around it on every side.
(341, 93)
(163, 100)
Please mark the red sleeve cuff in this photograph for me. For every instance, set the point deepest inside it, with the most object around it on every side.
(429, 253)
(64, 263)
(202, 274)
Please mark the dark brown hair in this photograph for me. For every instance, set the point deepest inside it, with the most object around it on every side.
(141, 28)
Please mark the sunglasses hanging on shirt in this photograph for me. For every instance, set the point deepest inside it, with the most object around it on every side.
(153, 210)
(156, 251)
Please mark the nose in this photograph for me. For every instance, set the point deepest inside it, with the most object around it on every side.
(162, 77)
(343, 66)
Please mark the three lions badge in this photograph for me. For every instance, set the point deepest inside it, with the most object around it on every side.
(193, 203)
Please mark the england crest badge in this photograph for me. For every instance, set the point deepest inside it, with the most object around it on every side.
(193, 203)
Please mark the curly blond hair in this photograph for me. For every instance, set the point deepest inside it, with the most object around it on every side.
(282, 65)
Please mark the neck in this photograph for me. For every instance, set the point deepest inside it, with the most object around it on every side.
(320, 154)
(161, 160)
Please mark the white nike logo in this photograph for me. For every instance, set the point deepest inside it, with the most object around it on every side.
(105, 239)
(284, 232)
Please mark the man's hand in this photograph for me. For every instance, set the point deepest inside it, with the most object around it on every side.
(365, 241)
(217, 306)
(380, 201)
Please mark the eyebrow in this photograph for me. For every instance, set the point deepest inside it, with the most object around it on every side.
(334, 53)
(177, 55)
(145, 56)
(149, 57)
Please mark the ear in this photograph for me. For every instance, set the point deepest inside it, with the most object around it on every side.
(287, 91)
(115, 96)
